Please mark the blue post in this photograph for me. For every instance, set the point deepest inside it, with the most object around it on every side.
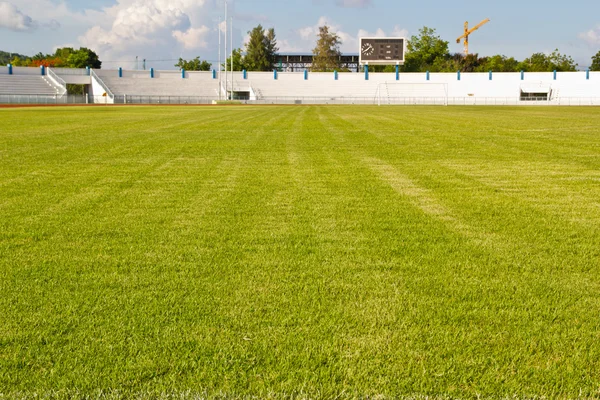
(335, 75)
(587, 74)
(427, 75)
(522, 75)
(367, 72)
(151, 72)
(275, 74)
(245, 74)
(490, 75)
(458, 75)
(182, 73)
(554, 74)
(120, 72)
(305, 75)
(42, 70)
(214, 74)
(397, 72)
(10, 69)
(87, 71)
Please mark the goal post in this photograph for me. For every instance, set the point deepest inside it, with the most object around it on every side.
(412, 93)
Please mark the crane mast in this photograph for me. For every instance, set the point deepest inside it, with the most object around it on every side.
(468, 31)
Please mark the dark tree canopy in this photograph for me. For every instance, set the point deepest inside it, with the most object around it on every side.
(6, 57)
(193, 65)
(595, 62)
(326, 55)
(239, 63)
(260, 50)
(64, 57)
(540, 62)
(426, 52)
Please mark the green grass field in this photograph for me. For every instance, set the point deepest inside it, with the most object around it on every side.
(312, 252)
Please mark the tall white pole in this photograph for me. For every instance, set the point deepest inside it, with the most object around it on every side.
(219, 61)
(231, 57)
(226, 96)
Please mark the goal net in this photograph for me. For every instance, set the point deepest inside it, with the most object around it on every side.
(412, 93)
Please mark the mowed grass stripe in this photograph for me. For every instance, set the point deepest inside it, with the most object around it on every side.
(310, 251)
(563, 259)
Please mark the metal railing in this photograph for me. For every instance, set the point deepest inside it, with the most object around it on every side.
(316, 100)
(183, 100)
(101, 83)
(58, 81)
(42, 99)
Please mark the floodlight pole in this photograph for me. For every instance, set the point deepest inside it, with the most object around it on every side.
(219, 61)
(231, 34)
(226, 97)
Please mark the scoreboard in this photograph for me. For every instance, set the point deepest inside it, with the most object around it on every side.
(382, 51)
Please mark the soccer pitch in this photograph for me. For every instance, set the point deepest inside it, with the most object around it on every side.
(311, 252)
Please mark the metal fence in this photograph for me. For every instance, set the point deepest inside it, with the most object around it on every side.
(132, 99)
(190, 100)
(42, 99)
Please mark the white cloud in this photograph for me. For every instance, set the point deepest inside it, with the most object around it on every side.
(12, 18)
(193, 38)
(400, 32)
(592, 37)
(150, 28)
(286, 47)
(353, 3)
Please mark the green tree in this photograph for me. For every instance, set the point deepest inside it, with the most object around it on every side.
(6, 58)
(20, 61)
(238, 61)
(498, 63)
(326, 56)
(449, 63)
(260, 50)
(81, 58)
(423, 50)
(596, 62)
(193, 65)
(271, 46)
(540, 62)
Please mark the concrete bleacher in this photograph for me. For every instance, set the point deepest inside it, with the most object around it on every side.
(293, 85)
(26, 85)
(108, 86)
(163, 84)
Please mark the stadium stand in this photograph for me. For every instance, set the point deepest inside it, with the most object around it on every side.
(163, 84)
(174, 87)
(26, 85)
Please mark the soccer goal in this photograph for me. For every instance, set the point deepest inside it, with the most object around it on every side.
(412, 93)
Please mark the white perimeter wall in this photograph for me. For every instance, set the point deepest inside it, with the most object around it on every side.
(508, 84)
(566, 85)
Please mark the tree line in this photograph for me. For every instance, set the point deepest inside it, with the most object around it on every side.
(426, 51)
(64, 57)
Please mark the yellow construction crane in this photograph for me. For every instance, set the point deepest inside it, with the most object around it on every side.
(469, 31)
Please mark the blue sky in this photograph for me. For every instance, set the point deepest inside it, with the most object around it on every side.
(119, 30)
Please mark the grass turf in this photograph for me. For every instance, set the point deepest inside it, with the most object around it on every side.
(300, 251)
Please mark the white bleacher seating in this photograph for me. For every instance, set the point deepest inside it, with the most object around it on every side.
(26, 85)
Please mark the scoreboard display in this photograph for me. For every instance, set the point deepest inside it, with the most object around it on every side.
(382, 51)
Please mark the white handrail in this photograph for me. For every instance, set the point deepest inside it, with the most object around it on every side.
(58, 81)
(101, 82)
